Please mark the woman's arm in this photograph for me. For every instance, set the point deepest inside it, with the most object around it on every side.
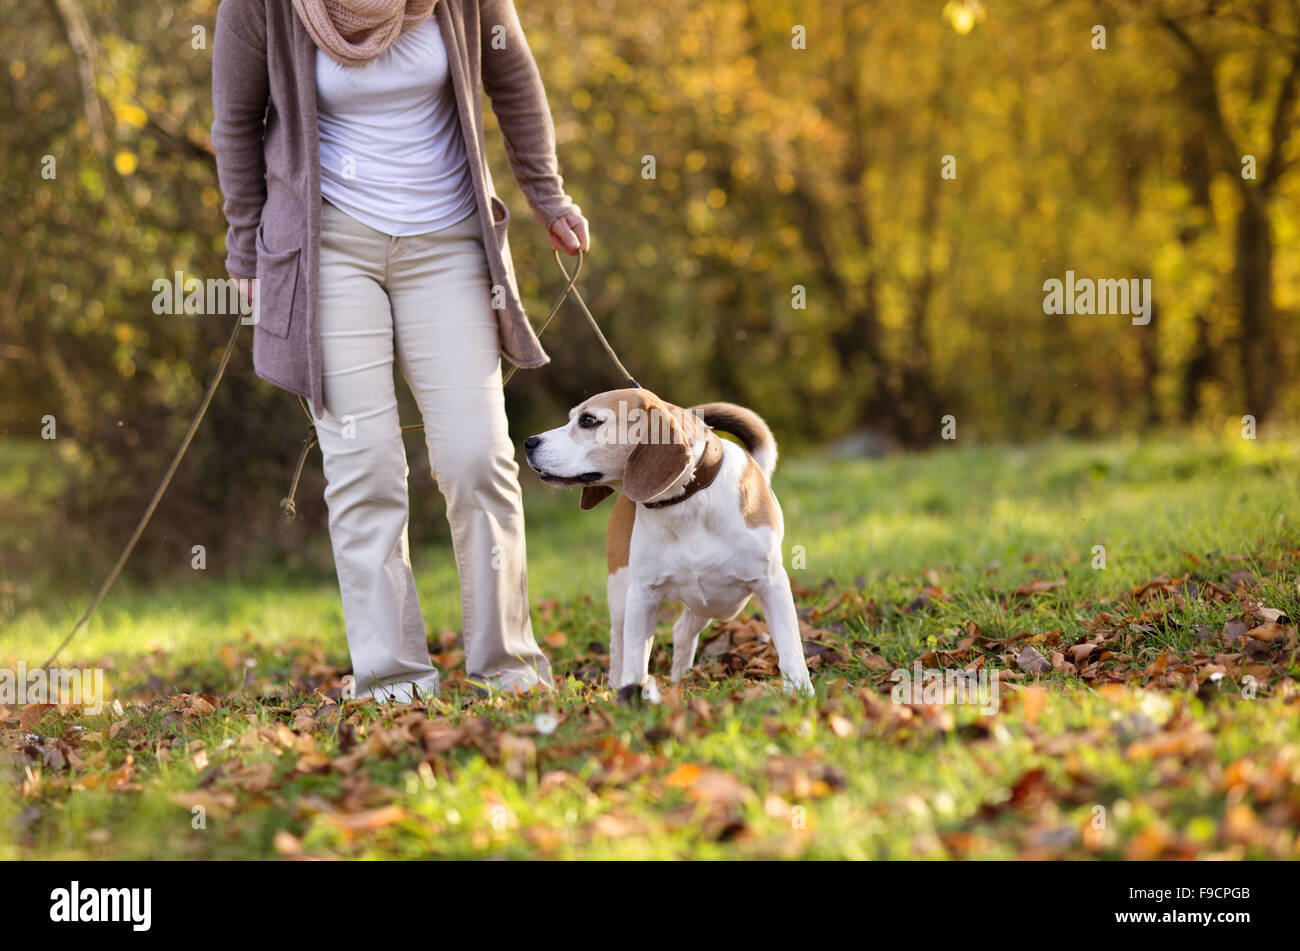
(512, 82)
(239, 101)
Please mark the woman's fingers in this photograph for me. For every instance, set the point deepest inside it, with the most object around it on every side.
(563, 237)
(247, 290)
(579, 225)
(569, 234)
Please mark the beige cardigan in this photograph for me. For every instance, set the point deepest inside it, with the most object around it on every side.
(268, 164)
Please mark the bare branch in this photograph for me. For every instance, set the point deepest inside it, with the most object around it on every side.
(1203, 72)
(1280, 127)
(76, 30)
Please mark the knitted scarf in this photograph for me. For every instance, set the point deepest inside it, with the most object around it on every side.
(353, 32)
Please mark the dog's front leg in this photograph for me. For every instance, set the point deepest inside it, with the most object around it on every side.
(616, 593)
(783, 624)
(640, 611)
(686, 638)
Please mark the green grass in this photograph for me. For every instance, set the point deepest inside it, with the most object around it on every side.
(729, 766)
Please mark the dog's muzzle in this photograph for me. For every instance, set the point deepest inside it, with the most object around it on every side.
(585, 478)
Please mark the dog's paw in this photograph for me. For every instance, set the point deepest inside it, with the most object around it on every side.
(801, 686)
(637, 694)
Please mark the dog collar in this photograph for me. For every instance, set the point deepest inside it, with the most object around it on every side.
(706, 471)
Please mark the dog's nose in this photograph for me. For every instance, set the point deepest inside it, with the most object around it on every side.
(531, 443)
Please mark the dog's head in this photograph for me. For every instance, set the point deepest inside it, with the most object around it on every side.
(625, 440)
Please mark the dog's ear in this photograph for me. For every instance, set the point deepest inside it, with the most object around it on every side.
(593, 495)
(659, 460)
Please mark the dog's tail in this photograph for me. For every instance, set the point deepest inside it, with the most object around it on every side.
(745, 425)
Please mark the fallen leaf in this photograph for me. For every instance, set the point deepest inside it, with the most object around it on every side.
(1180, 742)
(683, 776)
(286, 843)
(841, 726)
(32, 714)
(1032, 662)
(368, 821)
(1233, 628)
(1269, 631)
(717, 788)
(1037, 587)
(1034, 699)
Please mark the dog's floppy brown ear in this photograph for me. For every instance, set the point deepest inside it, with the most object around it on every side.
(593, 495)
(659, 461)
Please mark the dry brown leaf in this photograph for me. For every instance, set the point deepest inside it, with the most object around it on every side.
(214, 802)
(616, 826)
(1233, 628)
(1270, 631)
(1182, 742)
(1080, 653)
(286, 843)
(1034, 700)
(1031, 788)
(31, 714)
(683, 776)
(1158, 666)
(717, 788)
(368, 821)
(1032, 662)
(312, 763)
(518, 755)
(1037, 587)
(841, 726)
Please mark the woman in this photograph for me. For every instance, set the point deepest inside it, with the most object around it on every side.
(349, 144)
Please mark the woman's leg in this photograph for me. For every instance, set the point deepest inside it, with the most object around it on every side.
(365, 465)
(448, 350)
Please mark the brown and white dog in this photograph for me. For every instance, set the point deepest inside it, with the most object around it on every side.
(695, 522)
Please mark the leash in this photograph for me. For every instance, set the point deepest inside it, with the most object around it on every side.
(289, 507)
(157, 496)
(287, 504)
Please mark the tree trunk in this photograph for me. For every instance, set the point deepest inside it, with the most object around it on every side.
(1254, 273)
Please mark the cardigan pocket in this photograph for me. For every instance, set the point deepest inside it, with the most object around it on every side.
(277, 286)
(500, 218)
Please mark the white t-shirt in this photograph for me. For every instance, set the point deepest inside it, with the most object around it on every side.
(391, 150)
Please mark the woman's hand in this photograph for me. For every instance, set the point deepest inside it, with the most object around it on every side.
(569, 234)
(247, 291)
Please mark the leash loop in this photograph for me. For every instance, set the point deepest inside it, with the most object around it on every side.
(590, 319)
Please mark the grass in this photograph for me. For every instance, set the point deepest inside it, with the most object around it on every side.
(1147, 747)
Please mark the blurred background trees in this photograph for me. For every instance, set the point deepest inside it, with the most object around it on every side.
(737, 159)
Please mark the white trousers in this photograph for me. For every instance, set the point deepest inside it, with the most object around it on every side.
(424, 302)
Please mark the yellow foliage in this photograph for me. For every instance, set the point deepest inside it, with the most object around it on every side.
(131, 114)
(126, 162)
(963, 15)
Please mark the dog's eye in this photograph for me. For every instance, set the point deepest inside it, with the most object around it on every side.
(587, 421)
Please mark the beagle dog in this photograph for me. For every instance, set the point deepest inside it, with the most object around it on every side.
(695, 521)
